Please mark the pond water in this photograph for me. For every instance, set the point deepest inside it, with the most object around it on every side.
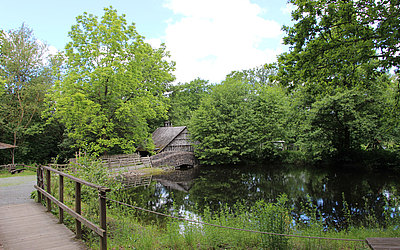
(330, 191)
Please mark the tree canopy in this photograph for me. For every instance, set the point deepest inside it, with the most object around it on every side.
(24, 77)
(330, 40)
(239, 122)
(112, 85)
(333, 96)
(185, 99)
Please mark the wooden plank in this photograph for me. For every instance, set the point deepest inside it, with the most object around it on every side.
(383, 243)
(29, 226)
(77, 216)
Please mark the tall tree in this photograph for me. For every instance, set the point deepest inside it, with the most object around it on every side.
(112, 85)
(330, 40)
(26, 78)
(220, 123)
(264, 75)
(185, 99)
(238, 122)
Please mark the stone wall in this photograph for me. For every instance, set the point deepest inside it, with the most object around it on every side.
(173, 159)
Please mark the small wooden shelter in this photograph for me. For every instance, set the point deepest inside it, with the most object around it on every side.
(172, 139)
(8, 146)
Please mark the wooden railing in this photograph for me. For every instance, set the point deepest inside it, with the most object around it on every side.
(12, 168)
(79, 219)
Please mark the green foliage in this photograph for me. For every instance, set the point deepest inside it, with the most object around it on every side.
(265, 75)
(24, 79)
(331, 40)
(5, 173)
(341, 123)
(112, 85)
(218, 121)
(185, 99)
(346, 122)
(273, 217)
(343, 99)
(238, 121)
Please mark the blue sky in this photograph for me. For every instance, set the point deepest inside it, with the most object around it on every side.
(206, 38)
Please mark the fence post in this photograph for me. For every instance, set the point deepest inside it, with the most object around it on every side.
(48, 189)
(78, 225)
(61, 198)
(39, 181)
(103, 219)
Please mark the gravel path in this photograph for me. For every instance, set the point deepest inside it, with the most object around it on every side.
(16, 190)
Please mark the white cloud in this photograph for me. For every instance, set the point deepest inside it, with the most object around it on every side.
(214, 37)
(154, 42)
(52, 50)
(48, 51)
(288, 9)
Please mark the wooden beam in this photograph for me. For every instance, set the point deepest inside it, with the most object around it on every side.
(101, 232)
(383, 243)
(105, 189)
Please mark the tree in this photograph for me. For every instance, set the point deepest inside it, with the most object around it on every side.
(219, 124)
(185, 99)
(269, 123)
(330, 40)
(266, 75)
(238, 122)
(340, 125)
(112, 85)
(25, 80)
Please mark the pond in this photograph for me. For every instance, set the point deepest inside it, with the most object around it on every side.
(332, 192)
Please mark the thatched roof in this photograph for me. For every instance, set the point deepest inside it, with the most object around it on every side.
(6, 146)
(165, 135)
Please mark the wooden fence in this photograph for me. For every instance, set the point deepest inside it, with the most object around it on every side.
(119, 162)
(79, 219)
(15, 168)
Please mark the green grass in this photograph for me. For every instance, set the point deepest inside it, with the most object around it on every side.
(26, 172)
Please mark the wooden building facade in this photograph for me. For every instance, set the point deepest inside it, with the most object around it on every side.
(172, 139)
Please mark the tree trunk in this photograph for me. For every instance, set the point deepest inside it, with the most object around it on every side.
(13, 150)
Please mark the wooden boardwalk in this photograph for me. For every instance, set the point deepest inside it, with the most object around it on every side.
(383, 243)
(29, 226)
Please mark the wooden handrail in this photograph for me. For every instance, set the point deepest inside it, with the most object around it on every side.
(79, 219)
(98, 187)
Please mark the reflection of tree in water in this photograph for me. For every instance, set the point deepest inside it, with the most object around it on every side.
(214, 187)
(363, 192)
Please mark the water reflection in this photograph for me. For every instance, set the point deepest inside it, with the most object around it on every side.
(328, 190)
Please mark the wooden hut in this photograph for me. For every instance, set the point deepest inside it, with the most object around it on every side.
(172, 139)
(8, 146)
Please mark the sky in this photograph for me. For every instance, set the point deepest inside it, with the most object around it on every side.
(207, 39)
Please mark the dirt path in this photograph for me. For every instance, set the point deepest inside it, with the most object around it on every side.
(16, 190)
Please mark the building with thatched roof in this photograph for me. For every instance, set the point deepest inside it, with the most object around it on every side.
(172, 139)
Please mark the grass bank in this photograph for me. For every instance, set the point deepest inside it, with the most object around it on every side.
(26, 172)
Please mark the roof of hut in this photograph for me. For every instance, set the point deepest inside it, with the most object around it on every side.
(5, 146)
(165, 135)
